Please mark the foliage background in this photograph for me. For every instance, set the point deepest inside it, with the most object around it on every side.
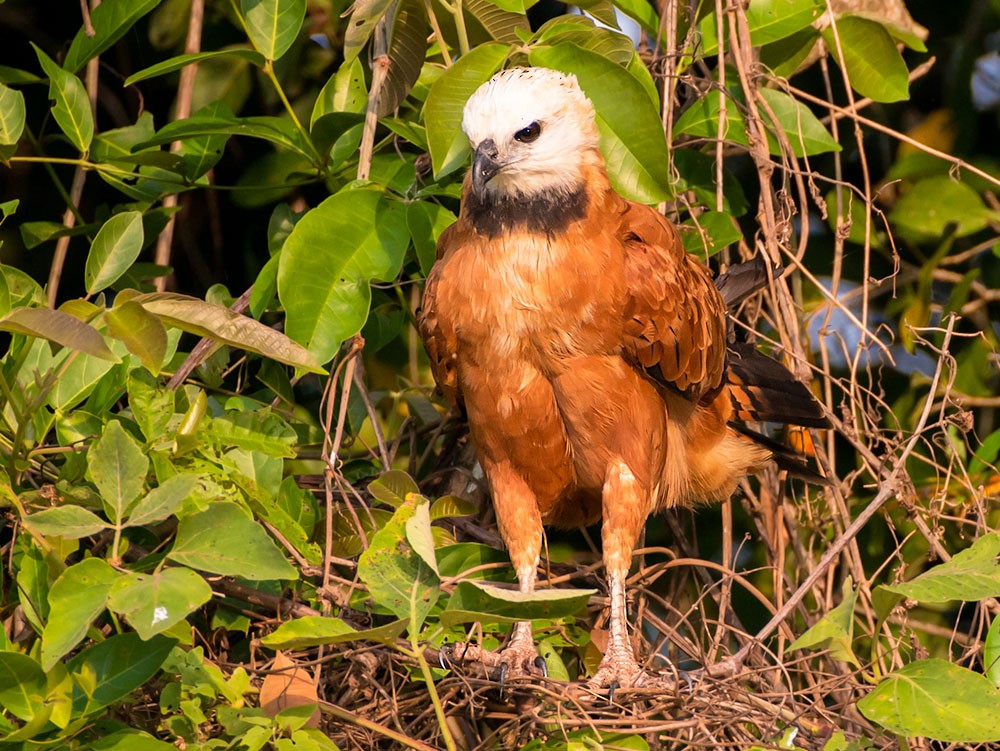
(169, 501)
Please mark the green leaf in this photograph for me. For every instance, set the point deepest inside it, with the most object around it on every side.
(768, 21)
(450, 506)
(273, 25)
(114, 249)
(152, 405)
(345, 91)
(58, 327)
(71, 522)
(806, 134)
(272, 129)
(154, 602)
(477, 601)
(932, 206)
(709, 233)
(501, 25)
(260, 431)
(426, 221)
(227, 326)
(632, 139)
(118, 466)
(784, 56)
(393, 487)
(936, 699)
(643, 13)
(182, 61)
(164, 501)
(111, 20)
(12, 114)
(23, 685)
(973, 574)
(323, 285)
(446, 101)
(140, 331)
(396, 574)
(109, 671)
(986, 455)
(78, 596)
(991, 652)
(224, 539)
(72, 106)
(835, 629)
(316, 630)
(129, 740)
(870, 60)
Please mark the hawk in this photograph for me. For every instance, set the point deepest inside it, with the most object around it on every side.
(588, 350)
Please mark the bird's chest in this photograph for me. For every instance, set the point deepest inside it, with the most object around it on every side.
(532, 299)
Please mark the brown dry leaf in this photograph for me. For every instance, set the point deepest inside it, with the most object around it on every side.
(288, 686)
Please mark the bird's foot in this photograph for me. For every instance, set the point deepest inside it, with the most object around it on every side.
(618, 670)
(518, 659)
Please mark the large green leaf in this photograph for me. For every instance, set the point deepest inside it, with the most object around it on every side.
(643, 13)
(12, 114)
(407, 49)
(395, 567)
(768, 21)
(632, 139)
(934, 205)
(224, 539)
(154, 602)
(58, 327)
(141, 332)
(316, 630)
(805, 133)
(426, 222)
(163, 501)
(118, 465)
(227, 326)
(936, 699)
(477, 601)
(111, 19)
(72, 106)
(361, 24)
(835, 629)
(70, 522)
(502, 25)
(115, 248)
(328, 260)
(446, 101)
(273, 25)
(78, 596)
(870, 59)
(973, 574)
(22, 685)
(111, 670)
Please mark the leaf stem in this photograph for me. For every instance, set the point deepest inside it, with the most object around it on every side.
(425, 669)
(463, 33)
(269, 72)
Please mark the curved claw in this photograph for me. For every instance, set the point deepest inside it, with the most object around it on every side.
(443, 660)
(502, 677)
(541, 665)
(611, 690)
(687, 679)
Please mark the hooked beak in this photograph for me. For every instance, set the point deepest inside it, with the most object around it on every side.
(485, 165)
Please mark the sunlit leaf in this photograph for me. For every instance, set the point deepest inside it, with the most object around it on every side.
(315, 630)
(71, 522)
(154, 602)
(114, 249)
(141, 332)
(407, 48)
(114, 668)
(163, 501)
(328, 260)
(71, 108)
(12, 114)
(835, 630)
(111, 20)
(224, 539)
(273, 25)
(118, 465)
(767, 20)
(972, 574)
(182, 61)
(936, 204)
(361, 25)
(477, 601)
(58, 327)
(79, 595)
(870, 59)
(936, 699)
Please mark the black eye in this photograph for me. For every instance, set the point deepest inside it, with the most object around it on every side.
(529, 134)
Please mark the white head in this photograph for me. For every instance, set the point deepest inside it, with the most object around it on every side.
(532, 131)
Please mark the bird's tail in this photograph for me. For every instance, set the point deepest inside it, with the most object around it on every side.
(761, 388)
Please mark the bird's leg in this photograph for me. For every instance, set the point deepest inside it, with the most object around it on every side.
(520, 526)
(625, 507)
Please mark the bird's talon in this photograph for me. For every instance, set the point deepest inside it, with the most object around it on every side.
(611, 690)
(502, 676)
(541, 666)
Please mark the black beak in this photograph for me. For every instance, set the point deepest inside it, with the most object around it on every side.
(484, 164)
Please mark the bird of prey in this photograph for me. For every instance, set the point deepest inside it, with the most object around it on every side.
(588, 350)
